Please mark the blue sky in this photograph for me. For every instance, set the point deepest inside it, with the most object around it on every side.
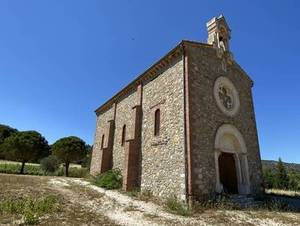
(61, 59)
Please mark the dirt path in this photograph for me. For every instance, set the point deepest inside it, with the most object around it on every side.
(118, 207)
(86, 204)
(126, 211)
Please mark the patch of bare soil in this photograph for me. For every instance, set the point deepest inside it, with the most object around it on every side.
(86, 204)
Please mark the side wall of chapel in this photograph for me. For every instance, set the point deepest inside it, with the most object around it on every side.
(162, 156)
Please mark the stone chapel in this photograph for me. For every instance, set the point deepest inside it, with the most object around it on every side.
(186, 126)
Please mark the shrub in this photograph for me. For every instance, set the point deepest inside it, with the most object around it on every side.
(78, 172)
(86, 162)
(50, 164)
(178, 207)
(112, 179)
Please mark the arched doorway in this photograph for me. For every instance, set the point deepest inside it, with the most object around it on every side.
(231, 163)
(227, 171)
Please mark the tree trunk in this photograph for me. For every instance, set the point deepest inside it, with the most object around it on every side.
(67, 169)
(22, 168)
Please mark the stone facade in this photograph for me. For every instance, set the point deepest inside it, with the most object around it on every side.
(163, 158)
(207, 118)
(184, 159)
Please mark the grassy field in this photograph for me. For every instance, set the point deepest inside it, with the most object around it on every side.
(11, 167)
(23, 192)
(71, 201)
(34, 164)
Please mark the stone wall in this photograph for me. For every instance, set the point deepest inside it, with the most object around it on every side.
(204, 68)
(102, 128)
(124, 116)
(163, 157)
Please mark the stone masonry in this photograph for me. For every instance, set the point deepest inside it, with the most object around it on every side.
(206, 115)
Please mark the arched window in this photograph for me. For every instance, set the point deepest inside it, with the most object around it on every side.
(157, 122)
(123, 135)
(102, 141)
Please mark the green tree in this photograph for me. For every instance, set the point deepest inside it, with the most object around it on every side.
(5, 132)
(69, 150)
(25, 147)
(269, 178)
(86, 162)
(281, 177)
(294, 180)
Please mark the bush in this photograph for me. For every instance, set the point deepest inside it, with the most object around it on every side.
(178, 207)
(77, 172)
(112, 179)
(50, 164)
(86, 162)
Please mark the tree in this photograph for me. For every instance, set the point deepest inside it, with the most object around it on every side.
(25, 146)
(269, 178)
(69, 150)
(86, 162)
(294, 180)
(281, 177)
(5, 132)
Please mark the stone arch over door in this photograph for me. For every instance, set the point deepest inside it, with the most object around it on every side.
(229, 140)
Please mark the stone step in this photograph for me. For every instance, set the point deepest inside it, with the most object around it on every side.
(244, 201)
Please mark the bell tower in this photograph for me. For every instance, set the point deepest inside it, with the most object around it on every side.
(218, 33)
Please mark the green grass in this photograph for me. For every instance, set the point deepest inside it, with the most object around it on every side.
(112, 179)
(175, 206)
(35, 169)
(30, 209)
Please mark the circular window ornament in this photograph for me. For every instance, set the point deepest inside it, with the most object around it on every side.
(226, 96)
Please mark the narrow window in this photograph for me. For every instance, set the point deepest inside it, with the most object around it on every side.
(102, 141)
(123, 135)
(157, 122)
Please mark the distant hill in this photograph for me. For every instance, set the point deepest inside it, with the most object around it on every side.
(272, 164)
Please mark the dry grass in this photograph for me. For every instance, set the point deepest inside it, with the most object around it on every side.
(16, 187)
(17, 163)
(84, 204)
(283, 192)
